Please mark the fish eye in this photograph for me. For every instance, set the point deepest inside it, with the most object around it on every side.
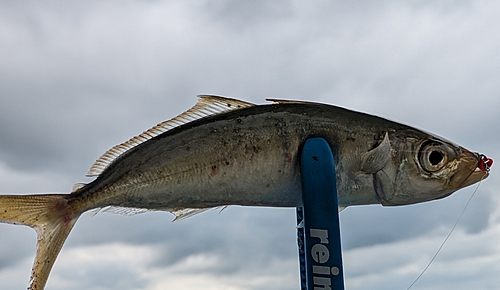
(432, 156)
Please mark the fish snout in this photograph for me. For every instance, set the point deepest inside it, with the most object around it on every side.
(476, 165)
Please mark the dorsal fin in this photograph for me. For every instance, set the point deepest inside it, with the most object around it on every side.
(206, 106)
(277, 101)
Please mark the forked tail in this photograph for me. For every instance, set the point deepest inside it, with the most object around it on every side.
(51, 216)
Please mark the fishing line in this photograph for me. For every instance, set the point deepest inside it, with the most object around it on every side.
(449, 234)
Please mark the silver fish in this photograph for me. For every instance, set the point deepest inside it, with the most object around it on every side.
(228, 152)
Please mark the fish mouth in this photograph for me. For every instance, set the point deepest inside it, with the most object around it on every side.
(476, 176)
(470, 162)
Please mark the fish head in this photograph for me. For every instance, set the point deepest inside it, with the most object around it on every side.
(424, 169)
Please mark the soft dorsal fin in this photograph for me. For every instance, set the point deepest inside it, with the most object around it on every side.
(206, 106)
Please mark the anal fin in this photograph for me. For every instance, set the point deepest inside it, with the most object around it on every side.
(184, 213)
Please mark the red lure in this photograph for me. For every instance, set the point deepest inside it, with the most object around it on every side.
(485, 163)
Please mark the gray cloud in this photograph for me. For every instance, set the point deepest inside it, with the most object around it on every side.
(80, 78)
(14, 246)
(376, 225)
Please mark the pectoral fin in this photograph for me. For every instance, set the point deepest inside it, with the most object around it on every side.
(376, 159)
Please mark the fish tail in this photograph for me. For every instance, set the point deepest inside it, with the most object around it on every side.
(51, 216)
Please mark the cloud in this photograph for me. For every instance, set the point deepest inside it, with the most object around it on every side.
(463, 262)
(80, 78)
(376, 225)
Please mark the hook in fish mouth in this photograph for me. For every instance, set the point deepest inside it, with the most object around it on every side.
(481, 172)
(485, 163)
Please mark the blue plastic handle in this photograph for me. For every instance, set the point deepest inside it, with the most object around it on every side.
(320, 253)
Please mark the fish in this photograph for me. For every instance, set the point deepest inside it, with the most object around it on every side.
(224, 152)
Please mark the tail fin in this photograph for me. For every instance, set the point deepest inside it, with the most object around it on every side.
(51, 216)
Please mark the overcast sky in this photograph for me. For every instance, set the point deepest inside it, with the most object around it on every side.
(79, 78)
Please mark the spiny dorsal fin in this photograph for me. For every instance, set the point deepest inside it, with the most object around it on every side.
(277, 101)
(206, 106)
